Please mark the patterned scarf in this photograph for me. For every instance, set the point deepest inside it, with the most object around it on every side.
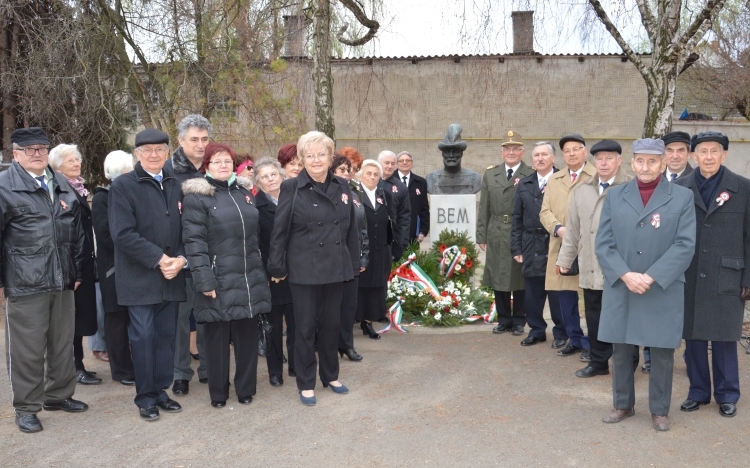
(77, 184)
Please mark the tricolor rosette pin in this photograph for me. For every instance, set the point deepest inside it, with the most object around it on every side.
(656, 221)
(723, 198)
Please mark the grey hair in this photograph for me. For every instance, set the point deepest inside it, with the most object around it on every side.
(59, 152)
(404, 153)
(384, 154)
(541, 143)
(117, 163)
(263, 162)
(370, 162)
(16, 146)
(193, 120)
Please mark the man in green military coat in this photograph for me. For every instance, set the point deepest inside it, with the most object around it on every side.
(501, 272)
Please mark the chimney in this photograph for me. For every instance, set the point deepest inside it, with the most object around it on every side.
(523, 32)
(295, 35)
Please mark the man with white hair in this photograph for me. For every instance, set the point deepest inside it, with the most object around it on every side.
(401, 211)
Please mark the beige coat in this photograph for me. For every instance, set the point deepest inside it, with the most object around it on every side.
(580, 230)
(554, 212)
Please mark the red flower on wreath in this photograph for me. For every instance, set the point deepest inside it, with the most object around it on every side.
(432, 312)
(443, 247)
(444, 293)
(446, 309)
(463, 250)
(469, 263)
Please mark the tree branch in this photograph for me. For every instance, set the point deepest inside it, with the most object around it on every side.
(697, 28)
(370, 24)
(647, 18)
(612, 29)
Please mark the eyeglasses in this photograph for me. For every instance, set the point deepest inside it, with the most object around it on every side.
(702, 152)
(573, 150)
(72, 161)
(514, 150)
(404, 161)
(32, 151)
(223, 162)
(150, 151)
(269, 176)
(319, 156)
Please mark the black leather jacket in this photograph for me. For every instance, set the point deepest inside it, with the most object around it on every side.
(42, 240)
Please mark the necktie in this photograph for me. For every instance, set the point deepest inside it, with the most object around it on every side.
(158, 178)
(405, 183)
(672, 177)
(42, 183)
(604, 186)
(510, 173)
(573, 177)
(544, 186)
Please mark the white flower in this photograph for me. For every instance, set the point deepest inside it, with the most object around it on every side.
(438, 316)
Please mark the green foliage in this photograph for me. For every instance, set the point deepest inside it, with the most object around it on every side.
(469, 260)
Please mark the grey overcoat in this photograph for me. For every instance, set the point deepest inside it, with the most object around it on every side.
(713, 308)
(658, 239)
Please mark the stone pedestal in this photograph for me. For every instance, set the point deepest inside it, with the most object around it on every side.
(453, 212)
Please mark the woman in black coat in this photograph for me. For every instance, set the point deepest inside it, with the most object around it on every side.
(268, 178)
(220, 234)
(373, 282)
(116, 317)
(315, 243)
(66, 159)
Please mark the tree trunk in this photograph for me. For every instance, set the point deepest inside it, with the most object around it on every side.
(661, 93)
(322, 68)
(8, 58)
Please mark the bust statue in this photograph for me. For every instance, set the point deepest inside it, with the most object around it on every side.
(453, 179)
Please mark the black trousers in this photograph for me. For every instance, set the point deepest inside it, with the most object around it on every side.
(317, 311)
(278, 314)
(78, 352)
(118, 345)
(534, 297)
(504, 315)
(348, 313)
(244, 334)
(600, 351)
(725, 367)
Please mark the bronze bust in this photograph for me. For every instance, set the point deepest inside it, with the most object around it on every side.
(453, 179)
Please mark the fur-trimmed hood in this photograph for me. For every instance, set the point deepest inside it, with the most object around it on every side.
(204, 186)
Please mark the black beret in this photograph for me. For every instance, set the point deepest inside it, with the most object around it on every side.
(606, 145)
(676, 137)
(709, 136)
(29, 136)
(151, 136)
(572, 137)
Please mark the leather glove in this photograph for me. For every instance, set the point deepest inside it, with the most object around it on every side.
(745, 294)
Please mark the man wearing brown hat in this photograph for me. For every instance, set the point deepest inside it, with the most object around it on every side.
(501, 272)
(553, 216)
(40, 229)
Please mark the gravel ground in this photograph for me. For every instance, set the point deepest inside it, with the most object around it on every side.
(461, 397)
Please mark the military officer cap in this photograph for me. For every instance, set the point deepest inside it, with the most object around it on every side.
(572, 137)
(606, 145)
(709, 136)
(29, 136)
(151, 136)
(512, 138)
(648, 146)
(676, 137)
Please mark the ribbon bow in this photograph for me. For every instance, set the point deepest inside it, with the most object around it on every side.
(448, 264)
(723, 197)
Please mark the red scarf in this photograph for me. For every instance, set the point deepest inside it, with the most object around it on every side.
(647, 189)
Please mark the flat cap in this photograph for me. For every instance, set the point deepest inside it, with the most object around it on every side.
(676, 137)
(29, 136)
(512, 138)
(572, 137)
(151, 136)
(709, 136)
(648, 146)
(606, 145)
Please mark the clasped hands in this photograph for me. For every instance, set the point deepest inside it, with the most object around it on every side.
(637, 283)
(171, 266)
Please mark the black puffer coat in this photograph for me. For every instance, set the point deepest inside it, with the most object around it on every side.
(220, 233)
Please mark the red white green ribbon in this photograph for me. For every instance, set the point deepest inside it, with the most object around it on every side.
(448, 264)
(489, 317)
(395, 314)
(409, 272)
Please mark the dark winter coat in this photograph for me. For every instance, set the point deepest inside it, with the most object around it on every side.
(322, 245)
(528, 237)
(400, 213)
(41, 239)
(220, 232)
(280, 292)
(419, 204)
(183, 170)
(713, 308)
(105, 250)
(376, 274)
(144, 220)
(85, 295)
(359, 212)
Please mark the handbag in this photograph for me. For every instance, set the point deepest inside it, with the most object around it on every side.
(573, 271)
(264, 335)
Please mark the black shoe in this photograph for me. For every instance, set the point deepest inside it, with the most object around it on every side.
(127, 382)
(181, 387)
(195, 356)
(569, 350)
(532, 340)
(728, 410)
(169, 406)
(218, 404)
(501, 329)
(517, 330)
(246, 400)
(646, 367)
(585, 355)
(276, 380)
(557, 344)
(283, 359)
(203, 380)
(692, 405)
(351, 353)
(68, 405)
(589, 371)
(292, 373)
(87, 378)
(149, 413)
(29, 423)
(368, 330)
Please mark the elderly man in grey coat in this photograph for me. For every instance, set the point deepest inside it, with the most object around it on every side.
(718, 283)
(645, 243)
